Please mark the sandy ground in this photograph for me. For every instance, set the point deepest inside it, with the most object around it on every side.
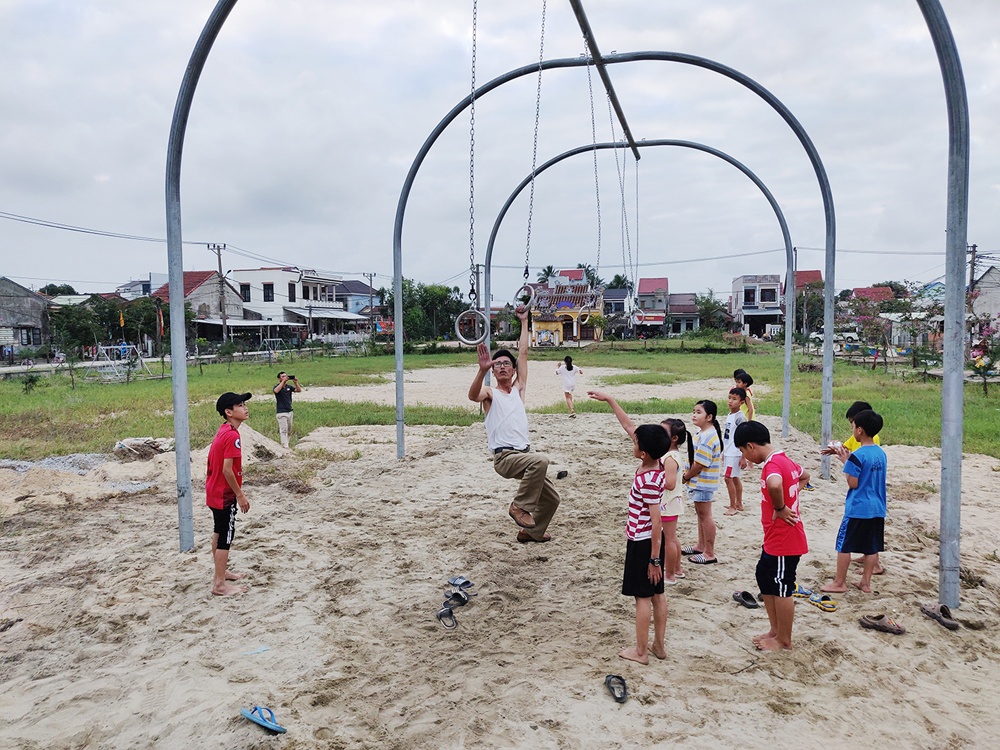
(112, 639)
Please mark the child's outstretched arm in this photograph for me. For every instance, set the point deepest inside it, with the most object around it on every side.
(623, 419)
(750, 408)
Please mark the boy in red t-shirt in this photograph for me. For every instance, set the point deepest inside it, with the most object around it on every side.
(224, 488)
(784, 538)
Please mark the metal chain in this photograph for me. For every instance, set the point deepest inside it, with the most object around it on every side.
(630, 271)
(472, 167)
(534, 148)
(593, 132)
(636, 168)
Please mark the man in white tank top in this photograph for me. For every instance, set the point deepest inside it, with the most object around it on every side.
(536, 499)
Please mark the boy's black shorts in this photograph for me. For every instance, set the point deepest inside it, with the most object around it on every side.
(635, 581)
(862, 536)
(776, 575)
(225, 525)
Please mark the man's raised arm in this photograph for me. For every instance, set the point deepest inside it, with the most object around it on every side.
(477, 392)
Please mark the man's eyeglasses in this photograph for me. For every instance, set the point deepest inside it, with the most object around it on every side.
(502, 363)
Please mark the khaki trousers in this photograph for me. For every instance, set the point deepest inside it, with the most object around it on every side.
(284, 427)
(536, 493)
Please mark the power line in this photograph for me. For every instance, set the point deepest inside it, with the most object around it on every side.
(85, 230)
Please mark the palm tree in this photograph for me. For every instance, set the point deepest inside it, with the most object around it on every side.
(620, 281)
(711, 312)
(590, 274)
(546, 273)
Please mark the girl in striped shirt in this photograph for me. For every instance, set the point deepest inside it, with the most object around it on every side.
(643, 577)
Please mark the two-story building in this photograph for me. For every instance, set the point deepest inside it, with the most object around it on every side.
(682, 312)
(295, 296)
(136, 288)
(756, 304)
(652, 298)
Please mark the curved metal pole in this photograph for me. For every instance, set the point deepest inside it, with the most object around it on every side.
(175, 269)
(701, 62)
(954, 299)
(786, 237)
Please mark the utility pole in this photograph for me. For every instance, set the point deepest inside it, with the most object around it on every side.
(972, 267)
(217, 249)
(371, 293)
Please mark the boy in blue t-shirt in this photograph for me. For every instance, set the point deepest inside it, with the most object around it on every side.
(863, 528)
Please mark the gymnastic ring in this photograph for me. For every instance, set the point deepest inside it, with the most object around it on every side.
(525, 289)
(478, 314)
(584, 315)
(638, 316)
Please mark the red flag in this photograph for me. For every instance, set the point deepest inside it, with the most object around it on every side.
(159, 315)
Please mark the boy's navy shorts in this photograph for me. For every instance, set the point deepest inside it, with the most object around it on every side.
(635, 581)
(862, 536)
(776, 575)
(225, 525)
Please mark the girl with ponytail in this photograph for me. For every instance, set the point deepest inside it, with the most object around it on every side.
(702, 478)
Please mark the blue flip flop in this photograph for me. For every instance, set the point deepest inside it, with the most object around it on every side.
(801, 592)
(264, 717)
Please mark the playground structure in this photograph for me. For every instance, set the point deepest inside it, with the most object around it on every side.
(118, 364)
(956, 238)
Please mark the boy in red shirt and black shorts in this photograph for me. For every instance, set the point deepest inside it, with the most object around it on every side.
(224, 488)
(784, 538)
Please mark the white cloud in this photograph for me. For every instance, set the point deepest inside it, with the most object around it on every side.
(309, 114)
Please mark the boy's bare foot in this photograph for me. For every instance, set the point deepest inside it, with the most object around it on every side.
(235, 575)
(863, 587)
(730, 512)
(739, 508)
(632, 654)
(228, 590)
(834, 588)
(659, 652)
(770, 644)
(879, 571)
(763, 637)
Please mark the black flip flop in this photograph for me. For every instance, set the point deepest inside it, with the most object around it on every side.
(616, 686)
(746, 599)
(461, 582)
(457, 598)
(447, 618)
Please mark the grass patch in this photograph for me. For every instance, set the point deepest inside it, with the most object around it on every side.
(56, 419)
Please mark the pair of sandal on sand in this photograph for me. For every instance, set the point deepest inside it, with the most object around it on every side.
(886, 624)
(458, 596)
(823, 602)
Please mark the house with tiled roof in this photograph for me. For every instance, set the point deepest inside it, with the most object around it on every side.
(652, 296)
(204, 294)
(682, 311)
(803, 278)
(562, 309)
(873, 293)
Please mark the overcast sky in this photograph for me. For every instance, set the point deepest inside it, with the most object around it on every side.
(310, 112)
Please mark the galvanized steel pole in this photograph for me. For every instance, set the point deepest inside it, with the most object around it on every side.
(602, 71)
(786, 237)
(175, 269)
(954, 299)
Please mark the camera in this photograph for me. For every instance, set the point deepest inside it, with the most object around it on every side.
(291, 377)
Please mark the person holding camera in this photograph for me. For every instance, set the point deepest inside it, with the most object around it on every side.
(287, 385)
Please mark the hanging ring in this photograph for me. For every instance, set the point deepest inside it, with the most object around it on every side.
(638, 316)
(528, 290)
(584, 315)
(477, 315)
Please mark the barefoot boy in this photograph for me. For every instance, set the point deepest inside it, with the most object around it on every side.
(863, 527)
(643, 578)
(733, 462)
(784, 538)
(224, 488)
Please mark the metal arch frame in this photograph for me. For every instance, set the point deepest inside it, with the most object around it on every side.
(786, 238)
(614, 58)
(954, 347)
